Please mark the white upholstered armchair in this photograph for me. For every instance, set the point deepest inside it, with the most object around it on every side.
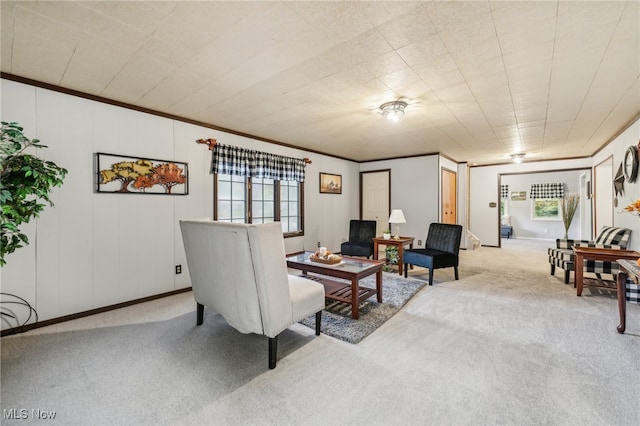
(239, 271)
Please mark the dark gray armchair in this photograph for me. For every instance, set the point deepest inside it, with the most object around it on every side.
(441, 250)
(361, 235)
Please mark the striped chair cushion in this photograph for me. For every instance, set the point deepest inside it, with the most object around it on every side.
(611, 236)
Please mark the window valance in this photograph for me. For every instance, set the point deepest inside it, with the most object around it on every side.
(504, 191)
(546, 190)
(233, 160)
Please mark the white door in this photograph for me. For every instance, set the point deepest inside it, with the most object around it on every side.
(448, 197)
(375, 198)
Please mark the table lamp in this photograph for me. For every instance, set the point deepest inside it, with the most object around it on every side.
(396, 218)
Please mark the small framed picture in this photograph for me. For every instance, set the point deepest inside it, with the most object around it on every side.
(518, 195)
(330, 184)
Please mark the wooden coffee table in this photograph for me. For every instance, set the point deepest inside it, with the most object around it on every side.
(351, 268)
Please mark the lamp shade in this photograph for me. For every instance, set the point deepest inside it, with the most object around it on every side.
(397, 216)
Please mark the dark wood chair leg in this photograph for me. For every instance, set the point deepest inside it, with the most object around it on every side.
(455, 271)
(621, 285)
(430, 276)
(200, 314)
(406, 270)
(273, 352)
(318, 321)
(566, 276)
(553, 269)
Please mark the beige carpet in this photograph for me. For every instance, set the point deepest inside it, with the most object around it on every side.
(506, 344)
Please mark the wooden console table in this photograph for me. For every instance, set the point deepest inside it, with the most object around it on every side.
(628, 268)
(602, 254)
(400, 243)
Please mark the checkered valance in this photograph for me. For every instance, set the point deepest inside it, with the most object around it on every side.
(233, 160)
(504, 191)
(546, 190)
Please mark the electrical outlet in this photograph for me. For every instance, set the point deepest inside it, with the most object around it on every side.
(419, 242)
(318, 244)
(178, 269)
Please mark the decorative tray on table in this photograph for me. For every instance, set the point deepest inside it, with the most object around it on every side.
(328, 258)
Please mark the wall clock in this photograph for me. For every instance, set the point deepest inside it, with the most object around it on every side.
(631, 164)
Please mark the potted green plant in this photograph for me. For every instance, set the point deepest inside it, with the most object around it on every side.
(25, 183)
(386, 234)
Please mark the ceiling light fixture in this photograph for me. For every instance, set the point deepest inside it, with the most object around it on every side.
(517, 158)
(393, 110)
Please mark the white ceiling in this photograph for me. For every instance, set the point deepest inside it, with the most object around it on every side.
(554, 79)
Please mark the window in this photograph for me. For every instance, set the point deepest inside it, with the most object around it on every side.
(290, 206)
(263, 200)
(231, 198)
(504, 205)
(546, 209)
(545, 201)
(270, 201)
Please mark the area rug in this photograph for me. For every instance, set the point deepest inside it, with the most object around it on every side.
(336, 317)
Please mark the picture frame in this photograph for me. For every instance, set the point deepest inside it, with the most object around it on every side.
(122, 174)
(546, 209)
(330, 183)
(518, 195)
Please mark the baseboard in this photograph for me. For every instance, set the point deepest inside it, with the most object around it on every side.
(39, 324)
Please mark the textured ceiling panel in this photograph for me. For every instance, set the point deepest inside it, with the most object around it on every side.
(482, 79)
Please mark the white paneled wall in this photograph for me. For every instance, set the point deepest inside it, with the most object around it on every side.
(415, 188)
(97, 249)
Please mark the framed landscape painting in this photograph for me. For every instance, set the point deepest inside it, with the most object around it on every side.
(330, 184)
(133, 175)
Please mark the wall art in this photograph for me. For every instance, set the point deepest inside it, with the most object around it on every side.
(518, 195)
(330, 184)
(122, 174)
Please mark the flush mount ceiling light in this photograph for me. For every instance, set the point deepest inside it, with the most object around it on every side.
(517, 158)
(393, 110)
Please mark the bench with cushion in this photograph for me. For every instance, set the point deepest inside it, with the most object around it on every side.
(239, 271)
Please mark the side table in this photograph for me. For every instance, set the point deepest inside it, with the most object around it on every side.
(628, 268)
(400, 243)
(594, 253)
